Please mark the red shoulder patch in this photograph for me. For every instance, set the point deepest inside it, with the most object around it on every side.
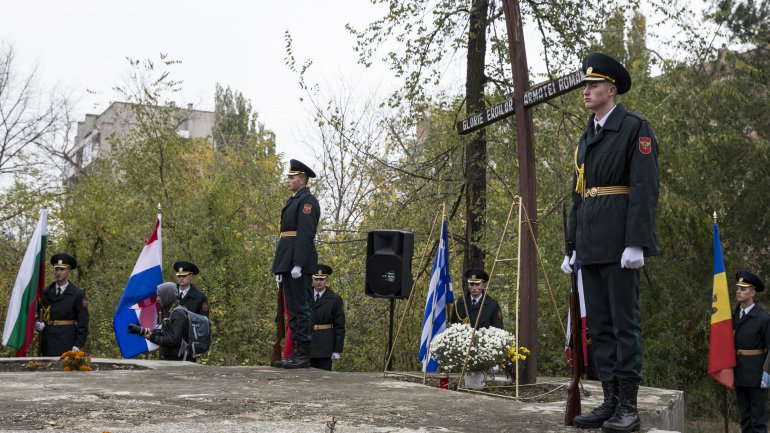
(645, 145)
(307, 208)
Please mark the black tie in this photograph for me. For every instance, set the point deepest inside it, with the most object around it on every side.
(317, 297)
(58, 291)
(598, 128)
(743, 313)
(473, 302)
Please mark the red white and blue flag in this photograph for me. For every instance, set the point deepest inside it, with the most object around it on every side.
(137, 305)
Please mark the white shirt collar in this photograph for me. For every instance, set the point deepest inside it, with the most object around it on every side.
(183, 293)
(319, 294)
(603, 120)
(747, 309)
(64, 287)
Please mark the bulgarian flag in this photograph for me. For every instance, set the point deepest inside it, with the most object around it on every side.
(20, 321)
(721, 345)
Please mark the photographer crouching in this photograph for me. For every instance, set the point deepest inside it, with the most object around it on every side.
(174, 326)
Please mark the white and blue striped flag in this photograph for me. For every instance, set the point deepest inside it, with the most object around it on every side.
(439, 296)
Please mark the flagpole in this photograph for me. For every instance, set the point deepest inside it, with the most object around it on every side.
(724, 398)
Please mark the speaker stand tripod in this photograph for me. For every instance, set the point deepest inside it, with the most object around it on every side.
(390, 335)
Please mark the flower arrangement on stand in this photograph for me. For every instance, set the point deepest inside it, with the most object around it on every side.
(488, 349)
(75, 360)
(514, 354)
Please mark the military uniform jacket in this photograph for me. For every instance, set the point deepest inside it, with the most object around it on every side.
(70, 305)
(301, 214)
(490, 316)
(751, 332)
(170, 335)
(329, 310)
(195, 301)
(623, 153)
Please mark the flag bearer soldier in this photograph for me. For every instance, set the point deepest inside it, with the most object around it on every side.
(611, 226)
(62, 311)
(491, 315)
(189, 295)
(329, 322)
(752, 339)
(296, 259)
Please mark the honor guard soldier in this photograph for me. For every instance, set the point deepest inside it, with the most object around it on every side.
(612, 230)
(296, 259)
(329, 322)
(62, 311)
(752, 339)
(189, 296)
(468, 307)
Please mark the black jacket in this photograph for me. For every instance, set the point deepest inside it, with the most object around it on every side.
(751, 332)
(623, 153)
(301, 214)
(70, 305)
(195, 301)
(328, 310)
(170, 335)
(491, 315)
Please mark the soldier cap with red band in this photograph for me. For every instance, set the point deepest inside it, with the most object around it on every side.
(601, 67)
(747, 279)
(64, 260)
(297, 167)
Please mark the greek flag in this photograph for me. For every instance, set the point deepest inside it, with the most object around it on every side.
(439, 295)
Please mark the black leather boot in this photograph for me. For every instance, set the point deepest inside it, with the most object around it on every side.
(300, 358)
(599, 415)
(279, 363)
(626, 417)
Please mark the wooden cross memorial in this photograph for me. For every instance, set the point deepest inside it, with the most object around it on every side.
(524, 98)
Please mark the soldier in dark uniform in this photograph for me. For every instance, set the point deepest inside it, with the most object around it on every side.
(189, 296)
(491, 315)
(752, 340)
(174, 326)
(296, 259)
(611, 228)
(329, 322)
(62, 311)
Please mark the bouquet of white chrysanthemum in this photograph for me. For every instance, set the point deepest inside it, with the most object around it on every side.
(489, 348)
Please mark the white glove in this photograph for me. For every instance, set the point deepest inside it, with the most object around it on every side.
(296, 272)
(495, 369)
(566, 265)
(75, 348)
(278, 278)
(765, 383)
(633, 258)
(335, 356)
(39, 326)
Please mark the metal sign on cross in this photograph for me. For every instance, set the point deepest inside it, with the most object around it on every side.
(537, 95)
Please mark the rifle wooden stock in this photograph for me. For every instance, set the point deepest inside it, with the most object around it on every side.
(576, 344)
(280, 328)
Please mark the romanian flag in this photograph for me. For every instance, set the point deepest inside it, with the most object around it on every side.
(721, 345)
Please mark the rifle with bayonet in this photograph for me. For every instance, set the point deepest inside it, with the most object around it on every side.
(576, 343)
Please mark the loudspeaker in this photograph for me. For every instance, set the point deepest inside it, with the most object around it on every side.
(389, 263)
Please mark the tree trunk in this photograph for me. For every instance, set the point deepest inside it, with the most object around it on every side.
(476, 149)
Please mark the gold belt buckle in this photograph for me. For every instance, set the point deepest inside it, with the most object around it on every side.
(593, 191)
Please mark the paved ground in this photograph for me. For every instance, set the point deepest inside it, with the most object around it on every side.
(175, 397)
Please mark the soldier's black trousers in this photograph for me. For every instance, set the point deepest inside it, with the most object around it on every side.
(298, 295)
(752, 402)
(614, 321)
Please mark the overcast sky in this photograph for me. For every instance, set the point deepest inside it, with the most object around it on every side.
(83, 44)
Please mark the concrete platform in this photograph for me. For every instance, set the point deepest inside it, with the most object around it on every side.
(185, 397)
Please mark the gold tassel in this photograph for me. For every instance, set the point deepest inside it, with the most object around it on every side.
(580, 184)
